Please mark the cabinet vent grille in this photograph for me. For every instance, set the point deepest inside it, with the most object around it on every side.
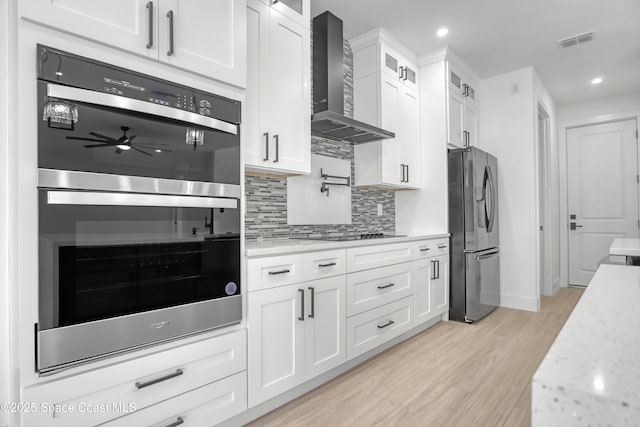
(577, 39)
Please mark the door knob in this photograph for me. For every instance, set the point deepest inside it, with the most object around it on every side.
(573, 225)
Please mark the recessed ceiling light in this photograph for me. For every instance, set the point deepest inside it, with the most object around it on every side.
(596, 81)
(158, 150)
(442, 32)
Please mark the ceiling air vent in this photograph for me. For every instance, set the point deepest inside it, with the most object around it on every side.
(577, 39)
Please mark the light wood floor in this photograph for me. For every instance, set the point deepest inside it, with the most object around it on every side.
(453, 374)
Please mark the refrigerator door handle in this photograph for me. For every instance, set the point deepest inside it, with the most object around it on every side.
(493, 200)
(487, 256)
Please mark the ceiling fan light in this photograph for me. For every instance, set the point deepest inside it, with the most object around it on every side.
(124, 147)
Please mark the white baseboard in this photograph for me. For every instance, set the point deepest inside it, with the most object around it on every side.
(520, 303)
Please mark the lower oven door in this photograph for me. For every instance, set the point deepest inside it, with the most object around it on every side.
(122, 270)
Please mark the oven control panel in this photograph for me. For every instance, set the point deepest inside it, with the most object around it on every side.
(71, 70)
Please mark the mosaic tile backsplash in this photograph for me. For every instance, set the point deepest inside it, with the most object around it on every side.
(266, 197)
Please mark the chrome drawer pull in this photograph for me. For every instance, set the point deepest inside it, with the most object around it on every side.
(389, 323)
(442, 246)
(424, 249)
(177, 422)
(177, 373)
(273, 273)
(386, 286)
(331, 264)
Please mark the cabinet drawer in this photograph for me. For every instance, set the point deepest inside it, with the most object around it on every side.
(368, 257)
(265, 273)
(429, 248)
(372, 328)
(372, 288)
(317, 265)
(204, 406)
(141, 382)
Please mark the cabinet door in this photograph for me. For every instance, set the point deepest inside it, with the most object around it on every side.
(440, 285)
(297, 10)
(410, 144)
(206, 37)
(289, 96)
(276, 341)
(470, 122)
(255, 109)
(455, 114)
(391, 104)
(423, 276)
(125, 24)
(325, 325)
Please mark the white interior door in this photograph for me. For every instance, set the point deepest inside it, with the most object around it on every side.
(602, 170)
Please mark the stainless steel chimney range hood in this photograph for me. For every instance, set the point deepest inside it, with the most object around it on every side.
(328, 119)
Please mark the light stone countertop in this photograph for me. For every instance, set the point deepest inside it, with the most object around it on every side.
(288, 246)
(591, 374)
(625, 247)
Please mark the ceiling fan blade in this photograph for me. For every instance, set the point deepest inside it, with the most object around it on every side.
(152, 143)
(108, 138)
(143, 152)
(131, 138)
(100, 145)
(81, 138)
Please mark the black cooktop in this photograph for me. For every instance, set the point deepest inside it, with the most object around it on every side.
(350, 237)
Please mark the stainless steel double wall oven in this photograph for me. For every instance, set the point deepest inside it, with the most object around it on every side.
(139, 210)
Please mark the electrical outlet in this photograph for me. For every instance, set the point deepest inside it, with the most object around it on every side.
(379, 209)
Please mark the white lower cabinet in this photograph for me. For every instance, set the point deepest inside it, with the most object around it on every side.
(431, 282)
(142, 384)
(204, 406)
(295, 333)
(368, 330)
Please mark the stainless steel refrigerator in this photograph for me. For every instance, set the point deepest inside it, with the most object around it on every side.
(473, 224)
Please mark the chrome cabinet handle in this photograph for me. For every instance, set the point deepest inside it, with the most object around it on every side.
(313, 302)
(405, 75)
(424, 249)
(330, 264)
(277, 140)
(433, 270)
(401, 72)
(402, 165)
(465, 90)
(386, 286)
(389, 323)
(407, 166)
(150, 16)
(170, 16)
(442, 246)
(177, 422)
(273, 273)
(301, 304)
(266, 146)
(177, 373)
(437, 269)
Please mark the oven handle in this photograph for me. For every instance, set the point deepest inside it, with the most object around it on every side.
(123, 103)
(90, 198)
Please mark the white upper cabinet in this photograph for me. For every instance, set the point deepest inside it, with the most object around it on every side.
(208, 37)
(297, 10)
(204, 37)
(386, 94)
(462, 118)
(277, 118)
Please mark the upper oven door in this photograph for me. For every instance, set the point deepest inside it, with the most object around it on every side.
(89, 131)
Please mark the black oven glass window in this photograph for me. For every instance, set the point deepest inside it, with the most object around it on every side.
(108, 261)
(122, 142)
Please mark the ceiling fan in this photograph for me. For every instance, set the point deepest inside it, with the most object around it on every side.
(124, 143)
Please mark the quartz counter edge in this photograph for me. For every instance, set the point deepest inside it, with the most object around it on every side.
(590, 375)
(625, 247)
(255, 249)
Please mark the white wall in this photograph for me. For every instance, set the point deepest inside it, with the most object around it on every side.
(507, 130)
(552, 222)
(4, 203)
(587, 113)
